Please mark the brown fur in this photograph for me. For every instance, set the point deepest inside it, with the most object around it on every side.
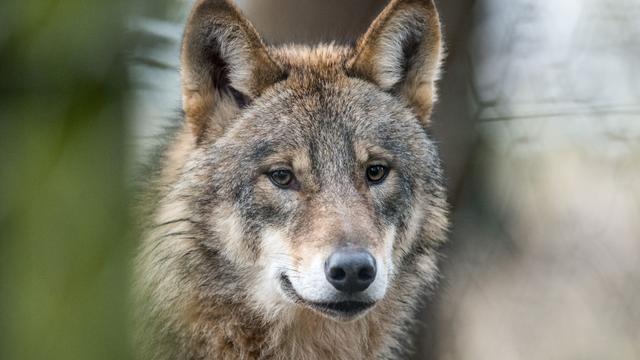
(201, 265)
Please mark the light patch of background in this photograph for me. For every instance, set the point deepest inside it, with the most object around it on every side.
(544, 260)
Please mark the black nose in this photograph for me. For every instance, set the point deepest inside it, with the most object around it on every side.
(350, 270)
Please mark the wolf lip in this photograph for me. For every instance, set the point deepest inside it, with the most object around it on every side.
(344, 308)
(339, 309)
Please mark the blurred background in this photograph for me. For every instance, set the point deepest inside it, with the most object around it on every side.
(538, 123)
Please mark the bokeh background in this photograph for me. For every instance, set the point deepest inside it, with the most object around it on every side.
(539, 127)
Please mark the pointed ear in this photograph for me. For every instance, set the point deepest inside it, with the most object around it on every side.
(401, 53)
(224, 64)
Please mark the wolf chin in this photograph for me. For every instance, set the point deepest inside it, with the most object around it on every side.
(296, 211)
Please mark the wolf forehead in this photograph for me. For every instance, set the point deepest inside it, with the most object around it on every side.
(318, 102)
(326, 133)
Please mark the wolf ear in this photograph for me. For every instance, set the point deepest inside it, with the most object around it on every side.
(224, 64)
(401, 53)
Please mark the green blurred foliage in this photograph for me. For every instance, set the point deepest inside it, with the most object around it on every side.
(65, 244)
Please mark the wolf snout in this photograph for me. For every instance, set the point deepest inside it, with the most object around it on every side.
(350, 270)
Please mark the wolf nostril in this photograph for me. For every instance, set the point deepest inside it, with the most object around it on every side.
(337, 273)
(365, 273)
(350, 270)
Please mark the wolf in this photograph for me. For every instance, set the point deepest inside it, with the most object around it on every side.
(297, 210)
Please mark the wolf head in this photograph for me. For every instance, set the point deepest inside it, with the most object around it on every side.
(309, 179)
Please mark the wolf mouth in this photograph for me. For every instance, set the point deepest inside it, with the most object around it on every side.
(343, 310)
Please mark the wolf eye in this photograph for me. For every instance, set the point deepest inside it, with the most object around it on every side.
(281, 178)
(377, 173)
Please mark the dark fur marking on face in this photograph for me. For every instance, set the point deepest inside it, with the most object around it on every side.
(261, 150)
(397, 202)
(222, 271)
(418, 249)
(241, 99)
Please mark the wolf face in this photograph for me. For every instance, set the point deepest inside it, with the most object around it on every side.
(304, 179)
(317, 183)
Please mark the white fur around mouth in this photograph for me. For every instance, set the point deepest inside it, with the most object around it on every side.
(341, 310)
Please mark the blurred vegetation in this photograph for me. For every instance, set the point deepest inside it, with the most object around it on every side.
(65, 245)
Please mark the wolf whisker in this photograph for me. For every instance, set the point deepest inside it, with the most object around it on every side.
(176, 221)
(177, 233)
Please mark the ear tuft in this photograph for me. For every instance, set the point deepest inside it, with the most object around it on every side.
(401, 53)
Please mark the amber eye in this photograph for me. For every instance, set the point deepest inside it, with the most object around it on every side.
(377, 173)
(281, 178)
